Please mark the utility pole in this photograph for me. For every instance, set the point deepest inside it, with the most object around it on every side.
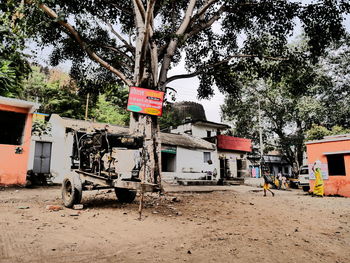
(261, 138)
(87, 106)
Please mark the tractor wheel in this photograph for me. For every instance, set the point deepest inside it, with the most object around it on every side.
(125, 195)
(306, 188)
(70, 194)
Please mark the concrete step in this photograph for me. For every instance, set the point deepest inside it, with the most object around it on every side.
(234, 181)
(197, 182)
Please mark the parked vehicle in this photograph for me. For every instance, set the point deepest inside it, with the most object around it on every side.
(304, 178)
(94, 162)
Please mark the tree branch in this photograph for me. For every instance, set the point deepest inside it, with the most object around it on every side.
(84, 45)
(209, 23)
(120, 52)
(141, 9)
(187, 18)
(125, 10)
(130, 47)
(147, 29)
(124, 55)
(140, 23)
(206, 6)
(173, 43)
(154, 54)
(201, 69)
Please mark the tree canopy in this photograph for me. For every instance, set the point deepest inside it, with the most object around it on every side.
(306, 101)
(137, 41)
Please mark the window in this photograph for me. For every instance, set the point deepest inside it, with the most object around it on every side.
(208, 134)
(207, 156)
(12, 126)
(336, 164)
(286, 170)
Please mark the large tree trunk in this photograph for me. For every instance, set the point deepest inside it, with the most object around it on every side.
(147, 126)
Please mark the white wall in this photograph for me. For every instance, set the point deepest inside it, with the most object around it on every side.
(61, 150)
(201, 131)
(190, 165)
(196, 131)
(182, 128)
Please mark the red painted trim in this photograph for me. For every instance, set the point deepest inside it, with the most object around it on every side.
(13, 108)
(234, 143)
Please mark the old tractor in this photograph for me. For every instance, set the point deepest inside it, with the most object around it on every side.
(102, 160)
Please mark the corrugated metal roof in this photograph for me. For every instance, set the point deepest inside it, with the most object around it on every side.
(206, 123)
(90, 126)
(186, 141)
(274, 159)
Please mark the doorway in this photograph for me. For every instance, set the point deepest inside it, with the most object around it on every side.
(42, 157)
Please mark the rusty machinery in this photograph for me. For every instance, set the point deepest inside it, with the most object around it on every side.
(95, 162)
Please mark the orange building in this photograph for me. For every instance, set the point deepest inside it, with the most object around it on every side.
(333, 152)
(15, 136)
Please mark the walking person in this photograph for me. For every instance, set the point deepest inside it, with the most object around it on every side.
(279, 177)
(284, 183)
(319, 186)
(267, 182)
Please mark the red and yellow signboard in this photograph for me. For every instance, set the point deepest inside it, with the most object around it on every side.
(145, 101)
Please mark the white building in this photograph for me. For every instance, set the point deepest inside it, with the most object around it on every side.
(231, 151)
(188, 158)
(183, 156)
(200, 128)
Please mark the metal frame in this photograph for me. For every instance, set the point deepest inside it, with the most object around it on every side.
(99, 182)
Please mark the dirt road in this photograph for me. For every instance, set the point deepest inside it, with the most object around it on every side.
(237, 225)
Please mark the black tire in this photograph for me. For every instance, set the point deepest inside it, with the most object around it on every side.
(293, 185)
(125, 195)
(306, 188)
(70, 194)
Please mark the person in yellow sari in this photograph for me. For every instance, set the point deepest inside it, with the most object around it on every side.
(319, 185)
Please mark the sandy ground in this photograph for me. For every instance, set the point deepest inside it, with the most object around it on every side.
(235, 225)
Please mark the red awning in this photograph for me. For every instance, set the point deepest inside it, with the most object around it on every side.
(234, 143)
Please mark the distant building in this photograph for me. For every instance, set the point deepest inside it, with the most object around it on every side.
(183, 156)
(15, 138)
(200, 128)
(333, 155)
(273, 163)
(231, 151)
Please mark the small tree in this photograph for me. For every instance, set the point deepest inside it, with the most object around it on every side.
(13, 65)
(318, 132)
(105, 111)
(55, 96)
